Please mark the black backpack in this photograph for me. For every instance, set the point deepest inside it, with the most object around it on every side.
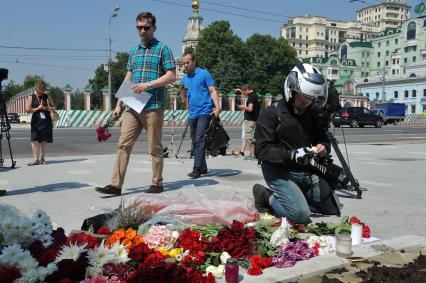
(216, 136)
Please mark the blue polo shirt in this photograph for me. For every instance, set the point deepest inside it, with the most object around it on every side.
(197, 85)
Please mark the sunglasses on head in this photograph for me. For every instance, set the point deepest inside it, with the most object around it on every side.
(145, 28)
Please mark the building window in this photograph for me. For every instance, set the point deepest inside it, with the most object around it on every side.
(411, 31)
(395, 94)
(414, 93)
(307, 45)
(393, 72)
(424, 92)
(406, 93)
(414, 58)
(300, 44)
(294, 44)
(424, 106)
(378, 44)
(413, 108)
(344, 52)
(387, 52)
(396, 40)
(300, 52)
(367, 94)
(335, 72)
(405, 60)
(387, 63)
(387, 43)
(306, 52)
(377, 95)
(306, 37)
(378, 54)
(378, 64)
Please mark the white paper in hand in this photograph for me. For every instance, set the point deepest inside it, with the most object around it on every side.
(136, 101)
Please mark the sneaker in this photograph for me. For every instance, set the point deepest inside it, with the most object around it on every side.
(155, 189)
(194, 174)
(109, 190)
(261, 196)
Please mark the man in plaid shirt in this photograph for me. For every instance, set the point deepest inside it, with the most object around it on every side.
(150, 68)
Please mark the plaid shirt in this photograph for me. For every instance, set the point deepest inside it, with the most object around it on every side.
(150, 63)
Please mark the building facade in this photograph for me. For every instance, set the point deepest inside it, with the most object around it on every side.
(313, 36)
(381, 16)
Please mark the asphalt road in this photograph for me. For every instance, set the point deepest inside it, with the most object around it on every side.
(81, 141)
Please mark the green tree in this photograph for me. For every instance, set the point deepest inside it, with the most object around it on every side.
(57, 95)
(222, 53)
(11, 89)
(270, 61)
(77, 100)
(118, 72)
(30, 81)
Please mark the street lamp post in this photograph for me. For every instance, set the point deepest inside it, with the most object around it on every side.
(113, 15)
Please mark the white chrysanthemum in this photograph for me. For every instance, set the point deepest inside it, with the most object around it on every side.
(99, 256)
(120, 253)
(10, 254)
(41, 227)
(27, 262)
(216, 271)
(325, 244)
(92, 271)
(43, 272)
(70, 252)
(224, 257)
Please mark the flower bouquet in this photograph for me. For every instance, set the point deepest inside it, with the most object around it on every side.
(102, 132)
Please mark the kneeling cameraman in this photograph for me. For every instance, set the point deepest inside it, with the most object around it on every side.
(288, 134)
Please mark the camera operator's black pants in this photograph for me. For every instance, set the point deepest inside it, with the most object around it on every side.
(294, 192)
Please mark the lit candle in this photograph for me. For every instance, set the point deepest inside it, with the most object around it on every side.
(356, 234)
(343, 245)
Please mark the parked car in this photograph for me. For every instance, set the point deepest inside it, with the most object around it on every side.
(356, 117)
(13, 118)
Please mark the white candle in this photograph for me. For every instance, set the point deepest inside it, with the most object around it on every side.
(356, 234)
(343, 245)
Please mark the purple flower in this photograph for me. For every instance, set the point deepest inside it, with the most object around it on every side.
(288, 254)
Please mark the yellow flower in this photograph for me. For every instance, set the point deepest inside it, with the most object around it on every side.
(175, 252)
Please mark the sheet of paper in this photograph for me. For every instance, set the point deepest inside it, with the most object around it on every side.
(136, 101)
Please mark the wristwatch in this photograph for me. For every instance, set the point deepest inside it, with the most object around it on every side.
(149, 85)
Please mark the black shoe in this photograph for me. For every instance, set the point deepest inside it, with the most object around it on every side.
(109, 190)
(261, 196)
(154, 189)
(204, 172)
(194, 174)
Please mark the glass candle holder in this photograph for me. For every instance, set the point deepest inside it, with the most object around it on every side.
(343, 245)
(231, 270)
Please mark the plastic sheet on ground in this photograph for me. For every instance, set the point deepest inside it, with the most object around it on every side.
(190, 205)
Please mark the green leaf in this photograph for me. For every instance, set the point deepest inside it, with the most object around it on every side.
(345, 219)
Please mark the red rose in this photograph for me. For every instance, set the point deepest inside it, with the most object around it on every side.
(365, 231)
(255, 270)
(354, 220)
(104, 230)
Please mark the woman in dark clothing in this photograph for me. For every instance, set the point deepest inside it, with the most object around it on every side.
(40, 104)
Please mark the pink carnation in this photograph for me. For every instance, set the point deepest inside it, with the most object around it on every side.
(160, 236)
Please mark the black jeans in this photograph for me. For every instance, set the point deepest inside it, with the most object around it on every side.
(199, 127)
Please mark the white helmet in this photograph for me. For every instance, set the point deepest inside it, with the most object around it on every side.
(308, 81)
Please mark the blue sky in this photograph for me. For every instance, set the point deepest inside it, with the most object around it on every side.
(83, 24)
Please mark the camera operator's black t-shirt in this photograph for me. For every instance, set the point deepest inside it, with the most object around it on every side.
(253, 115)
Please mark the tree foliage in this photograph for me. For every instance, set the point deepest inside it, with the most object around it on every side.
(223, 53)
(262, 61)
(118, 72)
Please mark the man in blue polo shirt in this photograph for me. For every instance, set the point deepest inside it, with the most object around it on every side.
(199, 87)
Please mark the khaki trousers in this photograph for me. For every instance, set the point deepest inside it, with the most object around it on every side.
(131, 127)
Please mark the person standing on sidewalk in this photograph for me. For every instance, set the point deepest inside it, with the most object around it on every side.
(40, 104)
(150, 68)
(199, 87)
(251, 114)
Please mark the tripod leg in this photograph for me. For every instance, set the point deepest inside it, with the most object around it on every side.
(10, 150)
(345, 166)
(1, 149)
(183, 136)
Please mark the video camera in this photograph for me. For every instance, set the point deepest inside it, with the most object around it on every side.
(3, 74)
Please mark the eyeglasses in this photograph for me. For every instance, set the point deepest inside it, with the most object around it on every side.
(145, 28)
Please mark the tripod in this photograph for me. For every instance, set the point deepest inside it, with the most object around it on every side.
(171, 149)
(4, 125)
